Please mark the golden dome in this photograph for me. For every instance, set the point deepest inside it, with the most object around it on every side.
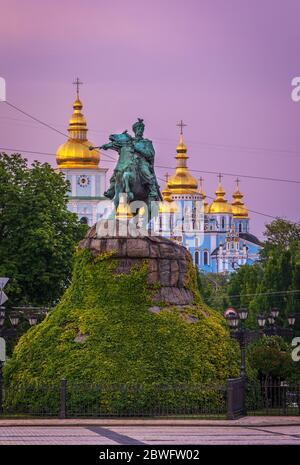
(239, 209)
(182, 182)
(75, 153)
(220, 205)
(205, 206)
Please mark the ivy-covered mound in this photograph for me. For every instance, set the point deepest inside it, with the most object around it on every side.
(108, 330)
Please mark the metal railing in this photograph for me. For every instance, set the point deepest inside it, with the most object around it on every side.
(236, 399)
(79, 400)
(273, 398)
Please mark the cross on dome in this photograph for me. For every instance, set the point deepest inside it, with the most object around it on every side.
(77, 83)
(181, 125)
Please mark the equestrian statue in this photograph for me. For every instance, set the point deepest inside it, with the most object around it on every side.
(134, 173)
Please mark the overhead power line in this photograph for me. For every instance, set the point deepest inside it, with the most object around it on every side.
(252, 211)
(50, 154)
(275, 293)
(45, 124)
(193, 142)
(35, 119)
(264, 178)
(113, 160)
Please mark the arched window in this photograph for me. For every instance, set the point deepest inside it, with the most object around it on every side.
(240, 227)
(197, 258)
(205, 257)
(223, 222)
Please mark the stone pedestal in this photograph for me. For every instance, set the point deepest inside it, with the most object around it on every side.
(168, 262)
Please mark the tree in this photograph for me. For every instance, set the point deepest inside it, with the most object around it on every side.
(242, 288)
(213, 289)
(38, 234)
(275, 281)
(271, 358)
(282, 233)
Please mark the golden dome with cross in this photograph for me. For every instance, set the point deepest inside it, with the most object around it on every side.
(239, 209)
(220, 204)
(182, 182)
(75, 152)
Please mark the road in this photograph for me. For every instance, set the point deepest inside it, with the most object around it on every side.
(149, 435)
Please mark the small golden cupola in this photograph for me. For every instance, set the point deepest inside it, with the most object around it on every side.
(166, 192)
(182, 182)
(75, 152)
(168, 205)
(205, 206)
(220, 204)
(239, 209)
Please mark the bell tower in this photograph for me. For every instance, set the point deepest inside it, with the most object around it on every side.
(80, 166)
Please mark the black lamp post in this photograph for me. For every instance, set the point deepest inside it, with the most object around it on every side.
(238, 330)
(243, 315)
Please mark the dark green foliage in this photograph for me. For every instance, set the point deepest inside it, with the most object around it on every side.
(213, 289)
(37, 234)
(125, 344)
(271, 282)
(271, 358)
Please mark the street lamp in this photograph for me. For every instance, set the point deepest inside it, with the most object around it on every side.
(32, 320)
(261, 320)
(275, 312)
(291, 320)
(14, 319)
(233, 322)
(271, 320)
(243, 314)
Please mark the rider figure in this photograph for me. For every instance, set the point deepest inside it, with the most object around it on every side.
(145, 152)
(144, 148)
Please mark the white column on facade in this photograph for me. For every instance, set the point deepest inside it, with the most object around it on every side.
(94, 211)
(73, 184)
(93, 185)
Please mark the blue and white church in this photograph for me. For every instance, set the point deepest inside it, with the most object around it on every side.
(217, 234)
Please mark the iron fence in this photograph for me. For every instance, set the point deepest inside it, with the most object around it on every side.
(273, 398)
(31, 400)
(78, 400)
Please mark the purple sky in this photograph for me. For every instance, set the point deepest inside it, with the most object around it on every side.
(224, 67)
